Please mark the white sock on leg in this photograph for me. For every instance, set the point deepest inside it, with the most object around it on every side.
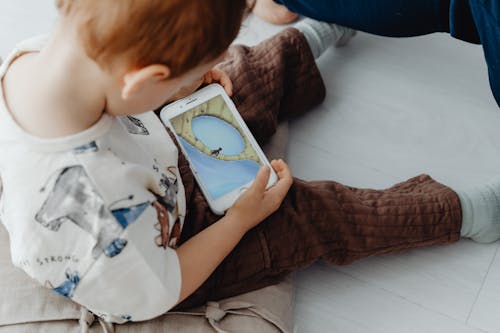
(321, 35)
(481, 212)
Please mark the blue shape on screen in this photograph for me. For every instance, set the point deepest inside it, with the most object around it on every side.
(220, 177)
(216, 133)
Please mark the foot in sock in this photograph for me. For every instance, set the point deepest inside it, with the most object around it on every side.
(481, 212)
(321, 35)
(346, 36)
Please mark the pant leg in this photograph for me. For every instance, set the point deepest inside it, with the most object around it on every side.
(339, 224)
(392, 18)
(474, 21)
(275, 80)
(486, 18)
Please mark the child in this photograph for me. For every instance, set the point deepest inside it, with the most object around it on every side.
(100, 207)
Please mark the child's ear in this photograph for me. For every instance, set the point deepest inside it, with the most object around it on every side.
(136, 80)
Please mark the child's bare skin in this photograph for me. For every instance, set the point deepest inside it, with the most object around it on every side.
(270, 11)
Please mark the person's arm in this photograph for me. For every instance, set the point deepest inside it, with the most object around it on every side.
(200, 255)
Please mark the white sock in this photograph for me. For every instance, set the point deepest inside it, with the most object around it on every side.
(481, 212)
(321, 35)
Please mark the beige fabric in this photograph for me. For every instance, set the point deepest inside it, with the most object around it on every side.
(27, 307)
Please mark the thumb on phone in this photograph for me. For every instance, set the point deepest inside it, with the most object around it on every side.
(260, 182)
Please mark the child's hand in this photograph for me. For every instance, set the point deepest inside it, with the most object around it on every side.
(212, 76)
(216, 75)
(257, 203)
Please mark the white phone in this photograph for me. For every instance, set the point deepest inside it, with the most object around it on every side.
(222, 153)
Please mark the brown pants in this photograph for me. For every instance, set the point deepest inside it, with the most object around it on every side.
(317, 220)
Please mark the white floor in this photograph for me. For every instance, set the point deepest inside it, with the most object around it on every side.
(395, 108)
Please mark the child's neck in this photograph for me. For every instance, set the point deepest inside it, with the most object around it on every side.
(58, 91)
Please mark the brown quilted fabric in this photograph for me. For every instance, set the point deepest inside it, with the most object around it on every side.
(317, 220)
(276, 80)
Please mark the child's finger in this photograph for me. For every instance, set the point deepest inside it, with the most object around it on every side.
(227, 84)
(260, 182)
(221, 77)
(208, 77)
(285, 179)
(280, 189)
(281, 169)
(277, 165)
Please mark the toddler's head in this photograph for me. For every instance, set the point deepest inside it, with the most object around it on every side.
(155, 47)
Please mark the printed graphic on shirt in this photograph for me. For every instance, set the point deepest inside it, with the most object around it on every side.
(67, 288)
(48, 260)
(126, 216)
(73, 198)
(165, 238)
(127, 317)
(115, 247)
(121, 319)
(89, 147)
(134, 125)
(170, 185)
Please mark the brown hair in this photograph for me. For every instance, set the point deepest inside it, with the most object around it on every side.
(178, 33)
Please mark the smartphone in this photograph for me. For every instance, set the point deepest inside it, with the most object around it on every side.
(222, 153)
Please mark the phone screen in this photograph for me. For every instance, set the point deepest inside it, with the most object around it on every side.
(218, 148)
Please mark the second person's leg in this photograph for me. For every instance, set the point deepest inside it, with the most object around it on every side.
(486, 20)
(474, 21)
(392, 18)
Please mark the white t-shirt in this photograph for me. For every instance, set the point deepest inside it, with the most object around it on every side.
(85, 212)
